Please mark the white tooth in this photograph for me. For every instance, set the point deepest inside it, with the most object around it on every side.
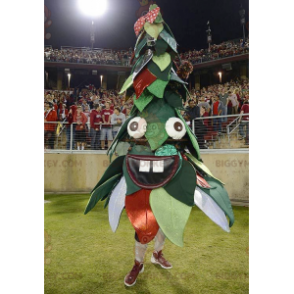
(158, 166)
(144, 166)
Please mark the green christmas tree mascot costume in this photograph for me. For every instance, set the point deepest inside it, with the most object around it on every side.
(158, 175)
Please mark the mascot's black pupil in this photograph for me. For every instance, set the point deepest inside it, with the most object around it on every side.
(178, 126)
(134, 126)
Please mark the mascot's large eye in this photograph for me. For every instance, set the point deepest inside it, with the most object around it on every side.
(137, 127)
(175, 128)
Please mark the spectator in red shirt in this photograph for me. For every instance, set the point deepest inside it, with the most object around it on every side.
(106, 127)
(80, 129)
(95, 119)
(49, 129)
(217, 107)
(244, 122)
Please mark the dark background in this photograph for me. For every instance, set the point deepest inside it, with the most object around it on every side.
(114, 29)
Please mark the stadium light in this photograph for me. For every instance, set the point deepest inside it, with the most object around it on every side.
(68, 76)
(93, 8)
(101, 78)
(220, 76)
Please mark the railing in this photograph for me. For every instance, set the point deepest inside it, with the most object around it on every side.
(222, 131)
(212, 132)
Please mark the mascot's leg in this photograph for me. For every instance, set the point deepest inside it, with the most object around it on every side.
(131, 277)
(159, 241)
(140, 250)
(157, 256)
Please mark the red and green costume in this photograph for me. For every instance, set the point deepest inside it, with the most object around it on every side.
(158, 175)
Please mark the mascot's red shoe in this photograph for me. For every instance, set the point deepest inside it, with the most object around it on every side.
(157, 258)
(131, 277)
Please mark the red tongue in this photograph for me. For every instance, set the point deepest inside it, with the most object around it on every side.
(141, 216)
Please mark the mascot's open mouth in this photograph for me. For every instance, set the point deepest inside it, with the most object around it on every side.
(151, 172)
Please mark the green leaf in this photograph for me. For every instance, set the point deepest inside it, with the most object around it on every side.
(182, 186)
(157, 88)
(139, 38)
(201, 166)
(175, 77)
(107, 200)
(187, 92)
(220, 196)
(160, 47)
(162, 61)
(159, 18)
(111, 150)
(134, 111)
(114, 168)
(162, 75)
(122, 148)
(121, 134)
(138, 60)
(173, 99)
(152, 6)
(144, 99)
(190, 134)
(171, 215)
(153, 29)
(101, 191)
(127, 84)
(169, 40)
(140, 46)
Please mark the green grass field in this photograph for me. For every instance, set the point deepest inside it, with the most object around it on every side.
(83, 255)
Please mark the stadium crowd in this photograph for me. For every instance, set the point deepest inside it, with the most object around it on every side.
(97, 114)
(88, 56)
(122, 57)
(223, 50)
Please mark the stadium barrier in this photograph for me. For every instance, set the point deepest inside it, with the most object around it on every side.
(79, 172)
